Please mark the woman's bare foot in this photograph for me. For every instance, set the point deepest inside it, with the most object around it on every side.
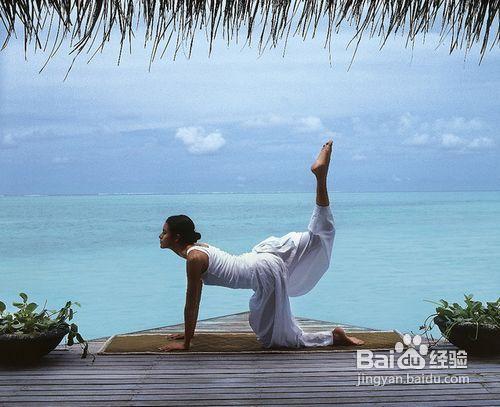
(340, 338)
(175, 336)
(320, 166)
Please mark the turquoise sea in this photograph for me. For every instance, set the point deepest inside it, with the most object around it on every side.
(391, 251)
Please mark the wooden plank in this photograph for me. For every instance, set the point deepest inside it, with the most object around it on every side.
(241, 369)
(222, 372)
(297, 381)
(219, 386)
(228, 382)
(256, 396)
(356, 391)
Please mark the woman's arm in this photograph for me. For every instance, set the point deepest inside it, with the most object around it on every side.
(195, 267)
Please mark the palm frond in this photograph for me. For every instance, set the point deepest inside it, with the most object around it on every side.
(90, 23)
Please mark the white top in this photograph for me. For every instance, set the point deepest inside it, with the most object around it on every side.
(226, 269)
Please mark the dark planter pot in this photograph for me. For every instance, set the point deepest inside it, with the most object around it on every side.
(463, 336)
(24, 349)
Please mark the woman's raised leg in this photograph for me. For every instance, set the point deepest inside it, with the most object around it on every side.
(320, 170)
(314, 248)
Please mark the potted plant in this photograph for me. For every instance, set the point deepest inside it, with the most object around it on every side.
(473, 327)
(27, 334)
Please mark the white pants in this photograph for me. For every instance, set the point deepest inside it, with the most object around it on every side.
(313, 254)
(301, 260)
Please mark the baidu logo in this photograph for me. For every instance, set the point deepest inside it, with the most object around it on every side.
(411, 358)
(410, 353)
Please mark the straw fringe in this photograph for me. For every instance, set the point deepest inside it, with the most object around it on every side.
(468, 21)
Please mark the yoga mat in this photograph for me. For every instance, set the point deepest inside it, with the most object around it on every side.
(232, 342)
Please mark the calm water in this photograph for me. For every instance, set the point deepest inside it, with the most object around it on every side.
(392, 251)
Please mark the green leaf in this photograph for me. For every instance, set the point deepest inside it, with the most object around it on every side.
(2, 307)
(23, 296)
(433, 302)
(31, 307)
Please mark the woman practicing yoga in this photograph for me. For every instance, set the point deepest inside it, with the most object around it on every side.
(277, 268)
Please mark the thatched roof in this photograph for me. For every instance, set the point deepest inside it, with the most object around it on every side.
(90, 22)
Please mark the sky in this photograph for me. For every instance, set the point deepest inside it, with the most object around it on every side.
(402, 119)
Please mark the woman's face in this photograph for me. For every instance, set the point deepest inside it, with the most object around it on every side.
(166, 238)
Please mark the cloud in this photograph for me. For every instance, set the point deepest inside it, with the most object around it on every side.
(309, 124)
(457, 124)
(359, 157)
(198, 142)
(405, 122)
(450, 140)
(60, 160)
(418, 140)
(481, 142)
(7, 141)
(18, 137)
(266, 121)
(301, 124)
(451, 134)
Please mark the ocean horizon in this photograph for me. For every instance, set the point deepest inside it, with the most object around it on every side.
(256, 192)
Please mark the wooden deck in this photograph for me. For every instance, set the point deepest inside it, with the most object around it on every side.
(62, 378)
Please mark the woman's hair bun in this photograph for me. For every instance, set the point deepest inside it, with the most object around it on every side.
(184, 226)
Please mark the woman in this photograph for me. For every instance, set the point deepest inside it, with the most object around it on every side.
(275, 269)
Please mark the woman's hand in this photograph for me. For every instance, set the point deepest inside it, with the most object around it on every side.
(172, 346)
(175, 336)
